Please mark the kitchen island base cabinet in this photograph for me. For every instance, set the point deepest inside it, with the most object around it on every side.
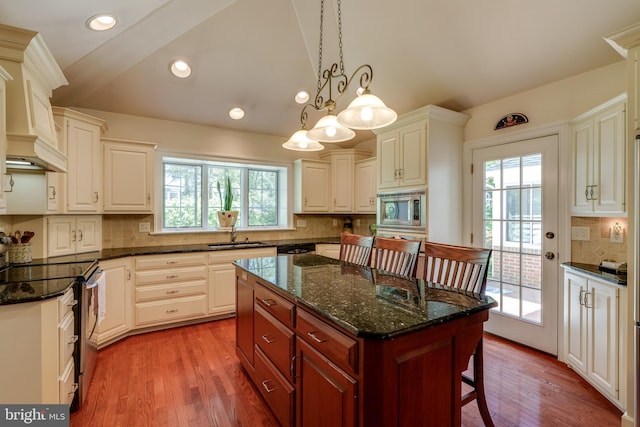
(341, 379)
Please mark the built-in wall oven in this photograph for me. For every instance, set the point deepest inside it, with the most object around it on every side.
(402, 212)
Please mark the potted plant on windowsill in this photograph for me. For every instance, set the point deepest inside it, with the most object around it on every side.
(226, 216)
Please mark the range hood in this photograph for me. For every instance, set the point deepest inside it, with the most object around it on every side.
(34, 74)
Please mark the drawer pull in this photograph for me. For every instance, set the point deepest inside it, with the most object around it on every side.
(172, 276)
(174, 310)
(268, 389)
(268, 340)
(269, 302)
(315, 338)
(74, 388)
(73, 339)
(175, 291)
(72, 303)
(172, 262)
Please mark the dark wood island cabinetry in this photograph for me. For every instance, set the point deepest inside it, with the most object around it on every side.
(334, 344)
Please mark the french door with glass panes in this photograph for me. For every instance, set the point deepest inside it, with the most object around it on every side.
(515, 213)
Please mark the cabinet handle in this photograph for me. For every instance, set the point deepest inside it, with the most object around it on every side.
(586, 300)
(174, 291)
(73, 238)
(334, 202)
(400, 173)
(172, 276)
(581, 297)
(128, 274)
(586, 193)
(172, 262)
(591, 192)
(292, 367)
(265, 385)
(305, 201)
(175, 310)
(81, 235)
(148, 198)
(315, 338)
(74, 388)
(53, 192)
(96, 194)
(73, 339)
(72, 303)
(266, 339)
(269, 302)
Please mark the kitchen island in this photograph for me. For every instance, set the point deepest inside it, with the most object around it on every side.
(331, 343)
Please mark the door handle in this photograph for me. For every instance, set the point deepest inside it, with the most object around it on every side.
(549, 255)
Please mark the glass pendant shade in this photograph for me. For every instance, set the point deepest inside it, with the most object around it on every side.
(299, 141)
(329, 130)
(367, 112)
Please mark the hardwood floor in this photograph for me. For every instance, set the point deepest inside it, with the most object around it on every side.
(190, 376)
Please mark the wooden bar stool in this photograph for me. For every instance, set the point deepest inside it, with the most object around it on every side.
(397, 256)
(463, 268)
(356, 249)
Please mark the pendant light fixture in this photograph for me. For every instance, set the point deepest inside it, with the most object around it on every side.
(366, 112)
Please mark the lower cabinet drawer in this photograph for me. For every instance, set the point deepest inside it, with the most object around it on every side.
(66, 340)
(275, 340)
(276, 390)
(150, 293)
(165, 311)
(66, 384)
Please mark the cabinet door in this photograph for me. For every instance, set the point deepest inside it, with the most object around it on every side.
(128, 172)
(575, 334)
(602, 303)
(315, 186)
(342, 182)
(222, 289)
(387, 160)
(582, 146)
(61, 236)
(117, 320)
(327, 396)
(365, 186)
(85, 166)
(88, 234)
(413, 155)
(54, 182)
(244, 317)
(609, 160)
(329, 250)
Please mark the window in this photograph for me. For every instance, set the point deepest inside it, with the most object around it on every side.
(191, 199)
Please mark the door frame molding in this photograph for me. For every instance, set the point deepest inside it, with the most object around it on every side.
(564, 201)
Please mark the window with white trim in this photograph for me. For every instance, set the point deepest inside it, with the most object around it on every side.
(191, 199)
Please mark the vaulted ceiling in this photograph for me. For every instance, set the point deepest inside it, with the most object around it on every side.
(257, 54)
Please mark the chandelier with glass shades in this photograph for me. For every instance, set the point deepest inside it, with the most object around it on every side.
(365, 112)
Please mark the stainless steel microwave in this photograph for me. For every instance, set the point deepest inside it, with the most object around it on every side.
(402, 210)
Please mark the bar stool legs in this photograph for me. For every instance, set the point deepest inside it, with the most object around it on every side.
(477, 382)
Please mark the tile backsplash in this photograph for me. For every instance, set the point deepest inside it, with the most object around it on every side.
(599, 245)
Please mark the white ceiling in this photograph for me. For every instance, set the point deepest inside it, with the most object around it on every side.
(257, 54)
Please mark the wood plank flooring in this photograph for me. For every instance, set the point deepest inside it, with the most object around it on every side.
(190, 376)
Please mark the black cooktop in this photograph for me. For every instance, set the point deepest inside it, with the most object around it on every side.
(41, 279)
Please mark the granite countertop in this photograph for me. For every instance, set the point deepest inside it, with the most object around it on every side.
(365, 302)
(592, 270)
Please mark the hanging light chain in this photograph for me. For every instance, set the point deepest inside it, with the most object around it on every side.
(320, 45)
(340, 36)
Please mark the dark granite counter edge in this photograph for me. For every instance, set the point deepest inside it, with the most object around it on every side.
(592, 270)
(39, 298)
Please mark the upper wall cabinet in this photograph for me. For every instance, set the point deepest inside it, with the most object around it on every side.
(342, 178)
(598, 160)
(365, 186)
(4, 76)
(408, 147)
(128, 176)
(311, 182)
(79, 135)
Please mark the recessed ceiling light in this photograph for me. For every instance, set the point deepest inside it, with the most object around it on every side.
(180, 68)
(236, 113)
(302, 97)
(102, 22)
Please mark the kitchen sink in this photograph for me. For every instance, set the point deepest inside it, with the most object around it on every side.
(235, 245)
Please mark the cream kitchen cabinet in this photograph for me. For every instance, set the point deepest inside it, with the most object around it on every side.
(222, 277)
(312, 186)
(342, 178)
(402, 154)
(365, 186)
(79, 135)
(4, 76)
(170, 288)
(54, 192)
(598, 160)
(330, 250)
(118, 307)
(593, 339)
(128, 176)
(71, 234)
(39, 369)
